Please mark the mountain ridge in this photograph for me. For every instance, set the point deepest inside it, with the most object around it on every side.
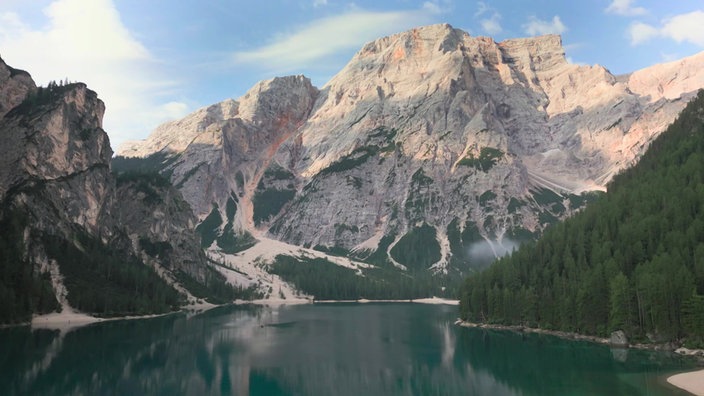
(485, 142)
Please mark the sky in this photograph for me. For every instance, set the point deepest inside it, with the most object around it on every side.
(157, 60)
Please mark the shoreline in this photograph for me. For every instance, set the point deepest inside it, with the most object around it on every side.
(522, 329)
(429, 300)
(581, 337)
(300, 301)
(689, 381)
(69, 319)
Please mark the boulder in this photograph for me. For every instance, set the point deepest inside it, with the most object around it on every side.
(618, 339)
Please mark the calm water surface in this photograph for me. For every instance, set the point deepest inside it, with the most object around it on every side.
(333, 349)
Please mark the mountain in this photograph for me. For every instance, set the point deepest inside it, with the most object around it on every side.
(430, 151)
(75, 236)
(632, 261)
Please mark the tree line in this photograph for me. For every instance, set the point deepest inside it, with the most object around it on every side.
(325, 280)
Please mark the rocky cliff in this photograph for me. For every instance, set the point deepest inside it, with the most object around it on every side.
(74, 235)
(431, 147)
(14, 86)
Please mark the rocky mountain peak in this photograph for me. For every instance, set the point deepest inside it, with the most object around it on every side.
(256, 106)
(15, 84)
(429, 133)
(413, 43)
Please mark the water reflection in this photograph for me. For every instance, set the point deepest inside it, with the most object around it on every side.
(354, 349)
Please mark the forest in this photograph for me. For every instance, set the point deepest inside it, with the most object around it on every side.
(325, 280)
(23, 290)
(632, 261)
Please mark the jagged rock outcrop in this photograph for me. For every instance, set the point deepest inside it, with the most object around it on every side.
(460, 141)
(219, 154)
(14, 86)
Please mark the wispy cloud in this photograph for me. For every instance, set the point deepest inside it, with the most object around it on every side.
(438, 6)
(681, 28)
(536, 27)
(625, 7)
(490, 24)
(86, 41)
(326, 37)
(319, 3)
(482, 8)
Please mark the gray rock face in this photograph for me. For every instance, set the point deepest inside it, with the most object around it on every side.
(485, 142)
(618, 339)
(14, 86)
(56, 145)
(222, 151)
(160, 227)
(55, 163)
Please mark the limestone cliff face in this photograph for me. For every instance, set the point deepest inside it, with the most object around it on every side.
(479, 140)
(55, 175)
(220, 153)
(55, 150)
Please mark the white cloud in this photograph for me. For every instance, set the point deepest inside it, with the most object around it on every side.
(329, 36)
(686, 27)
(681, 28)
(318, 3)
(625, 7)
(85, 40)
(641, 32)
(536, 27)
(492, 25)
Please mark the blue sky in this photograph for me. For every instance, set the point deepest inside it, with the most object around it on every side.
(155, 60)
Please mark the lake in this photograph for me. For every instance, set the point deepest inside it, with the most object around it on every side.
(320, 349)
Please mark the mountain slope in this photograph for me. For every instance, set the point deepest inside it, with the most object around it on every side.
(631, 261)
(70, 238)
(472, 144)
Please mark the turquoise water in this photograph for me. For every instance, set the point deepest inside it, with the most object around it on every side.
(322, 349)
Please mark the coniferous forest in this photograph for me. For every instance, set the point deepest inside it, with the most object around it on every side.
(632, 261)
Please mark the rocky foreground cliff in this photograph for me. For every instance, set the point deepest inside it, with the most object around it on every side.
(431, 149)
(73, 235)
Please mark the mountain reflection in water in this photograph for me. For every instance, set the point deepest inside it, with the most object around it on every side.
(341, 349)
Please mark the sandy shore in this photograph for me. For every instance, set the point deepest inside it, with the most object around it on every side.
(692, 382)
(436, 300)
(431, 300)
(68, 319)
(64, 320)
(275, 302)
